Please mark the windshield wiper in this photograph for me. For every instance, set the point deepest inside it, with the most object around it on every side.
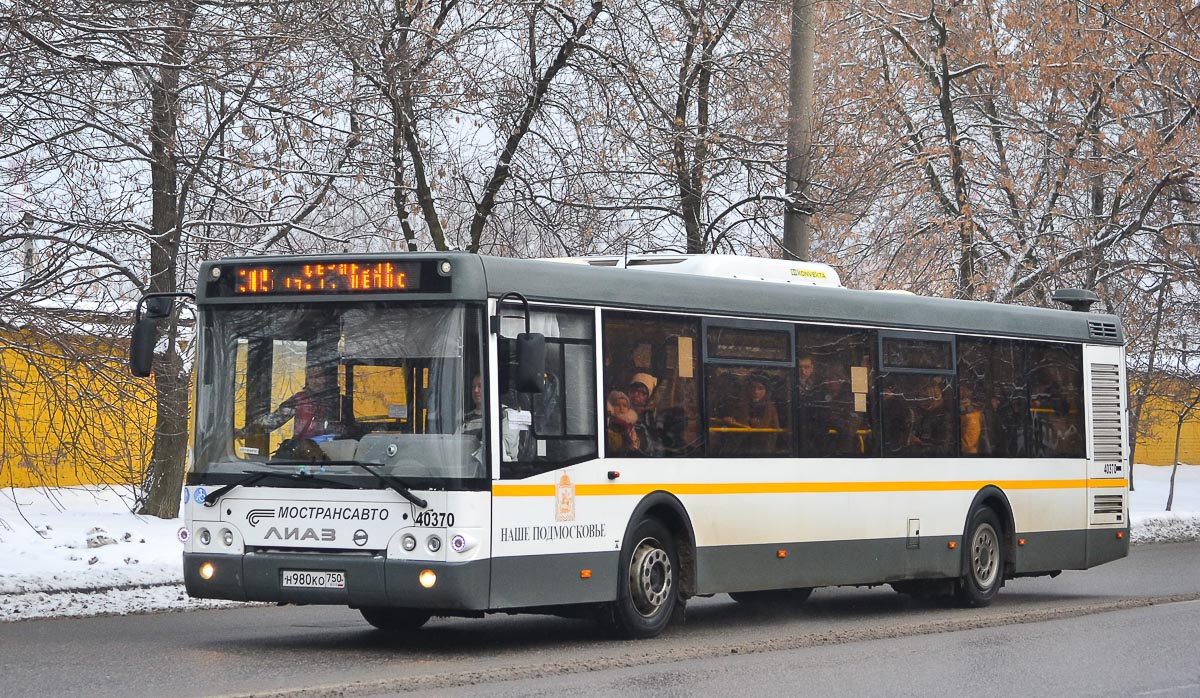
(253, 476)
(394, 483)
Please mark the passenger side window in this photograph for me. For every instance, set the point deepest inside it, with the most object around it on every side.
(651, 386)
(917, 405)
(835, 392)
(748, 389)
(1055, 374)
(992, 398)
(557, 426)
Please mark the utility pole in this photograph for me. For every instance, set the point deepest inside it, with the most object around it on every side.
(800, 92)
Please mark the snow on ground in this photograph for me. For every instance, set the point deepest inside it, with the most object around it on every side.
(47, 568)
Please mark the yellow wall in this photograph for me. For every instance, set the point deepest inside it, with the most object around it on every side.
(1158, 446)
(66, 423)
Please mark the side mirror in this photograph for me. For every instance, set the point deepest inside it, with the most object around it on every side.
(150, 309)
(158, 307)
(525, 356)
(141, 346)
(530, 362)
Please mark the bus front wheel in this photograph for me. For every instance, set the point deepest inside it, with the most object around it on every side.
(395, 620)
(647, 582)
(984, 565)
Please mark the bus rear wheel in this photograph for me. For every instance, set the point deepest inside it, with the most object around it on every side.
(773, 597)
(395, 620)
(984, 553)
(647, 582)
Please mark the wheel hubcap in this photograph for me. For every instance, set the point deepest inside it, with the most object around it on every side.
(650, 577)
(985, 554)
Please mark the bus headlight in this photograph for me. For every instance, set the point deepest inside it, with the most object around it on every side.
(427, 578)
(227, 538)
(204, 536)
(408, 542)
(434, 544)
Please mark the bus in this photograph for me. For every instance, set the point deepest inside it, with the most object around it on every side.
(447, 434)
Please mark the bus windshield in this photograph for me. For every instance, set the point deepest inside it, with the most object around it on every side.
(343, 391)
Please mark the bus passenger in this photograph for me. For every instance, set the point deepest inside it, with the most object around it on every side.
(761, 413)
(641, 394)
(473, 419)
(844, 423)
(932, 426)
(970, 420)
(812, 407)
(622, 437)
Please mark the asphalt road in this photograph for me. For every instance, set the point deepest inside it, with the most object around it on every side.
(1127, 627)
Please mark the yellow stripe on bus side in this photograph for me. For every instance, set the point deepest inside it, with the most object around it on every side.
(801, 487)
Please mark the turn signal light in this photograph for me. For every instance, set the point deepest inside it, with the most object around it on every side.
(207, 570)
(585, 574)
(780, 554)
(1020, 541)
(427, 578)
(1120, 535)
(952, 544)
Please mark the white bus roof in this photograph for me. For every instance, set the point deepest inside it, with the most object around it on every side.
(721, 265)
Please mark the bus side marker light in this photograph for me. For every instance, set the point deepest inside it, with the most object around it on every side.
(1020, 541)
(780, 554)
(585, 574)
(427, 578)
(207, 570)
(1120, 535)
(953, 544)
(614, 474)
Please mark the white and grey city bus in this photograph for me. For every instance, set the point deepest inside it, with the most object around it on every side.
(448, 434)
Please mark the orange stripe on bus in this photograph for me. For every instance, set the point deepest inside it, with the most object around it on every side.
(802, 487)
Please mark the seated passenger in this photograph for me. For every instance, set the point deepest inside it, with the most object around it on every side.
(761, 413)
(622, 437)
(970, 420)
(641, 394)
(473, 419)
(932, 426)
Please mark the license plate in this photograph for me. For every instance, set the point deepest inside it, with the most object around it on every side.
(313, 580)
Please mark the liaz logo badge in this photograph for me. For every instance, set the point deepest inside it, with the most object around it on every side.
(255, 515)
(326, 535)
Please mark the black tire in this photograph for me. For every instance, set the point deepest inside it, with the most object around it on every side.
(773, 597)
(395, 620)
(983, 558)
(647, 582)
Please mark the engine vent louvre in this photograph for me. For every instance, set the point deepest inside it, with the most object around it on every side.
(1099, 329)
(1108, 504)
(1107, 443)
(1108, 509)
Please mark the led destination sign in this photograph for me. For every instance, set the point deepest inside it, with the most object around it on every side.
(329, 278)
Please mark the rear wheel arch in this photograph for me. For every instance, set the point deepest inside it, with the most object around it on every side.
(992, 497)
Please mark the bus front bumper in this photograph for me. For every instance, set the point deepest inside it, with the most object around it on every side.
(370, 580)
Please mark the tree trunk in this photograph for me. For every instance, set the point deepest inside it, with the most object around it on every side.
(1139, 400)
(800, 93)
(164, 476)
(1174, 463)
